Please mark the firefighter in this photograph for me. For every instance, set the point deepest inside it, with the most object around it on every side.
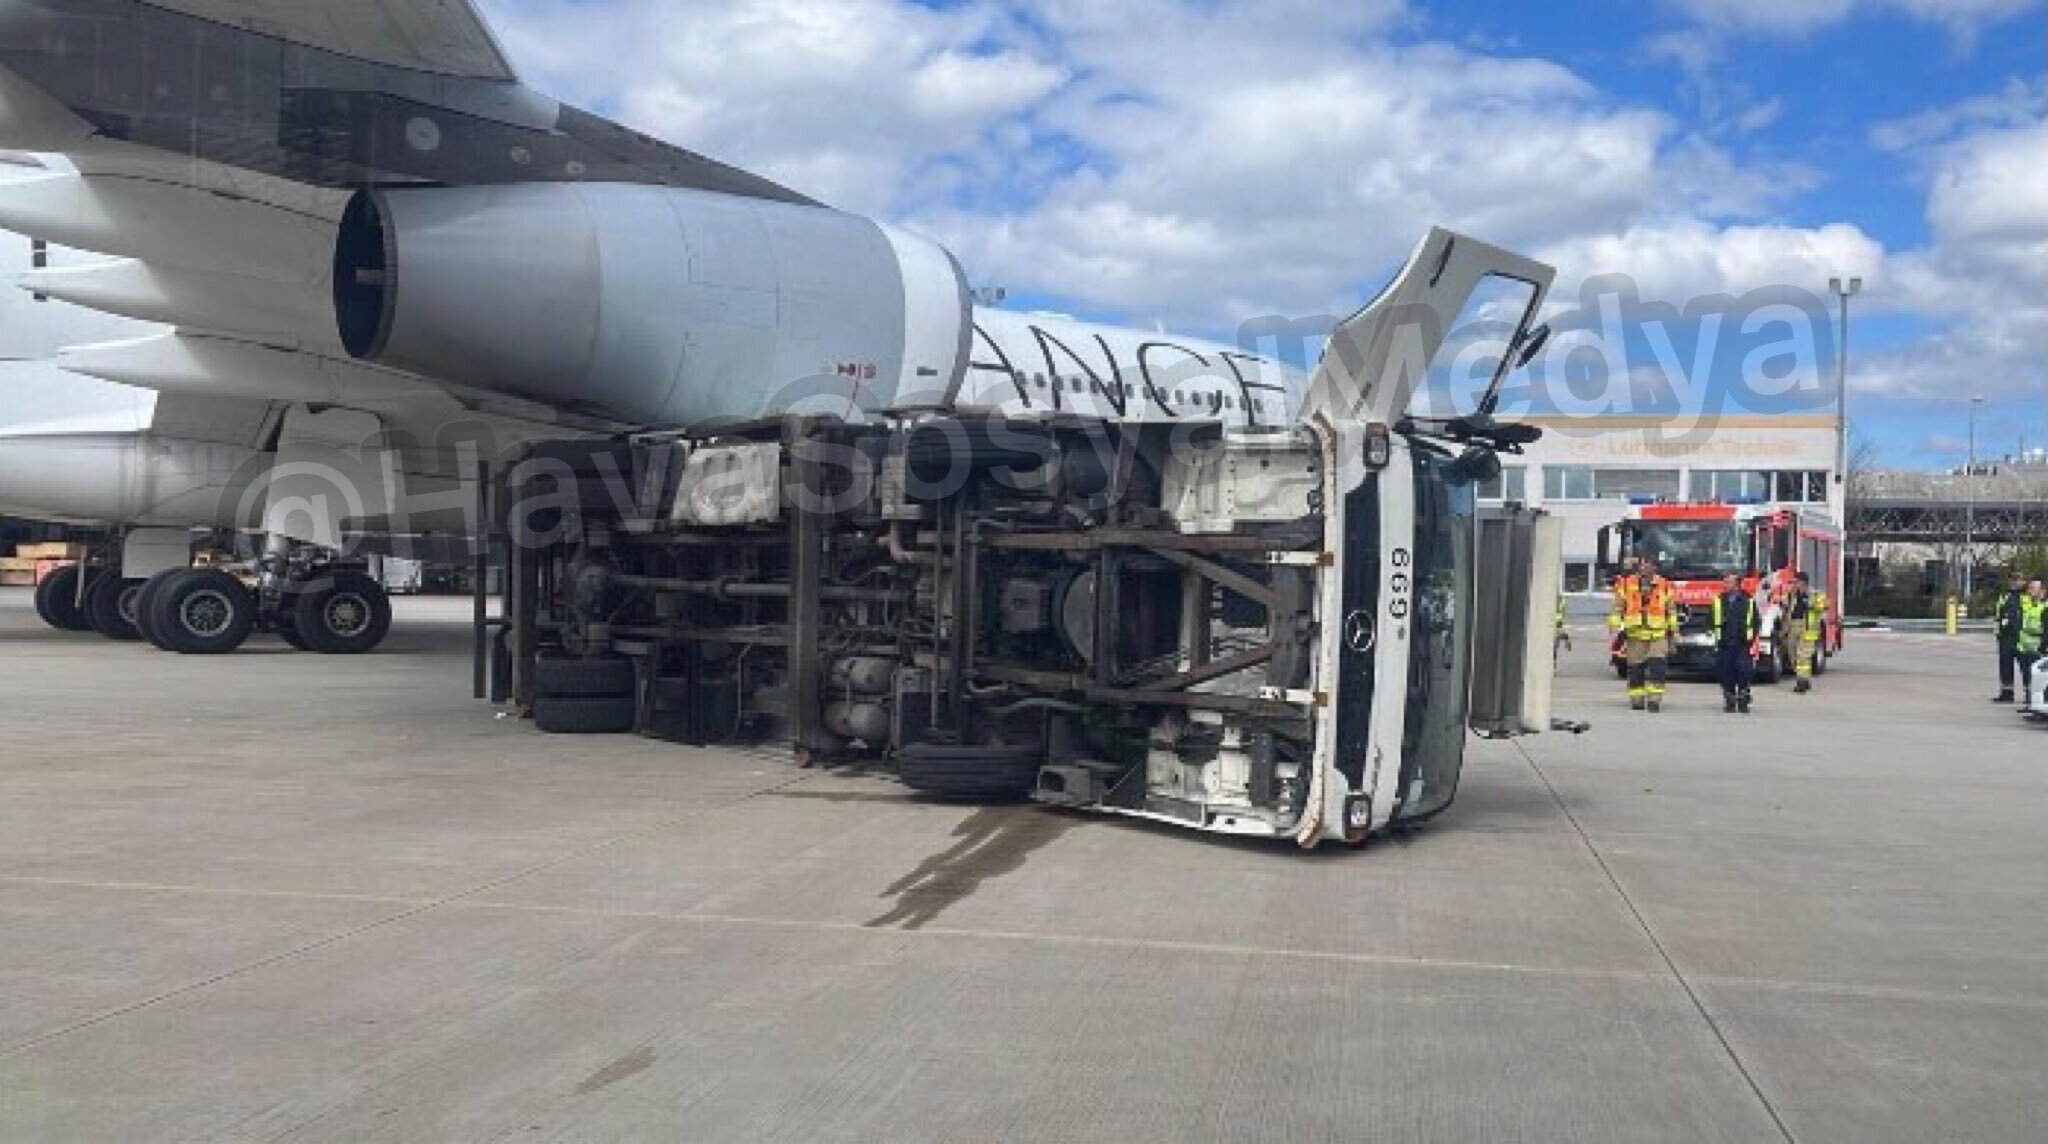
(1735, 632)
(1646, 614)
(1806, 611)
(2027, 648)
(2006, 618)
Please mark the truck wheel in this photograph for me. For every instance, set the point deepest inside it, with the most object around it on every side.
(145, 606)
(347, 614)
(1820, 660)
(566, 678)
(110, 605)
(584, 715)
(203, 612)
(988, 774)
(57, 600)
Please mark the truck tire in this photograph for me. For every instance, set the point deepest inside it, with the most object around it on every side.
(564, 678)
(145, 606)
(984, 774)
(57, 600)
(203, 612)
(1768, 669)
(582, 715)
(341, 613)
(110, 605)
(1820, 660)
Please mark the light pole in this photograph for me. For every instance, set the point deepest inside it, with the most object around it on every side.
(1970, 506)
(1843, 293)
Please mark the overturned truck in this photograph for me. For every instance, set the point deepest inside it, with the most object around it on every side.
(1286, 632)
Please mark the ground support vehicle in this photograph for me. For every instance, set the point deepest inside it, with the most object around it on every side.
(1277, 632)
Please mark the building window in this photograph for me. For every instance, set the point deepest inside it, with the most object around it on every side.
(1578, 576)
(1636, 484)
(1730, 485)
(1567, 482)
(1511, 485)
(1789, 486)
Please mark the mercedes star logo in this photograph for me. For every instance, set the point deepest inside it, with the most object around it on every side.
(1358, 630)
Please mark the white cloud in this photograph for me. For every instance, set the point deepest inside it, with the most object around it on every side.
(1799, 18)
(1682, 258)
(1775, 17)
(1985, 270)
(851, 101)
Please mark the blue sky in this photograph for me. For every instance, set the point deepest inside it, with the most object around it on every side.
(1199, 163)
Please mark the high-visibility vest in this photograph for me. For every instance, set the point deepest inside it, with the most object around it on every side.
(1646, 609)
(2008, 624)
(2032, 612)
(1721, 619)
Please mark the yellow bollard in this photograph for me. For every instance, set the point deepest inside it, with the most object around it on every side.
(1953, 608)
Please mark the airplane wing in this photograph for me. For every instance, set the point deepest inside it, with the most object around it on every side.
(325, 93)
(445, 37)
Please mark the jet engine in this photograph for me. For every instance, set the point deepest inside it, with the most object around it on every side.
(652, 305)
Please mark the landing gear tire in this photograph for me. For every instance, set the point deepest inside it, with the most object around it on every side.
(584, 715)
(346, 613)
(983, 774)
(145, 606)
(110, 605)
(57, 600)
(203, 612)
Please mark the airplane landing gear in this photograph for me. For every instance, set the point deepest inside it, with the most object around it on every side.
(110, 604)
(339, 613)
(57, 599)
(203, 611)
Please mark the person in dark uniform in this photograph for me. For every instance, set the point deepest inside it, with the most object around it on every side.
(2006, 622)
(1735, 628)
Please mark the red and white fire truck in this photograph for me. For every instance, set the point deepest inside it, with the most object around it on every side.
(1696, 545)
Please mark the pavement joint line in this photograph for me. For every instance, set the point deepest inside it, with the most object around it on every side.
(1158, 945)
(1698, 1003)
(415, 910)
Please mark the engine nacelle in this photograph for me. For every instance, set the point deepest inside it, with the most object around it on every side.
(651, 305)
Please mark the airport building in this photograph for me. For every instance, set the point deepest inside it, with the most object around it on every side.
(1588, 471)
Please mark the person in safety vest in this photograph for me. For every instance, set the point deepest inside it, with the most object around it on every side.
(2027, 649)
(1646, 614)
(2006, 621)
(1806, 616)
(1735, 636)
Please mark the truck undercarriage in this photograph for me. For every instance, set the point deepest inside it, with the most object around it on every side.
(1256, 632)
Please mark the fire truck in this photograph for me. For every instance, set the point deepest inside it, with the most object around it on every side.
(1696, 545)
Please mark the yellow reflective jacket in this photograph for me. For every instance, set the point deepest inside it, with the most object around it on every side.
(1644, 608)
(2032, 613)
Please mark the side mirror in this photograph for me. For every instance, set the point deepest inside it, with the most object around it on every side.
(1605, 560)
(1477, 466)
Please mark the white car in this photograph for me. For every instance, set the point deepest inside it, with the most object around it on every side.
(2036, 704)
